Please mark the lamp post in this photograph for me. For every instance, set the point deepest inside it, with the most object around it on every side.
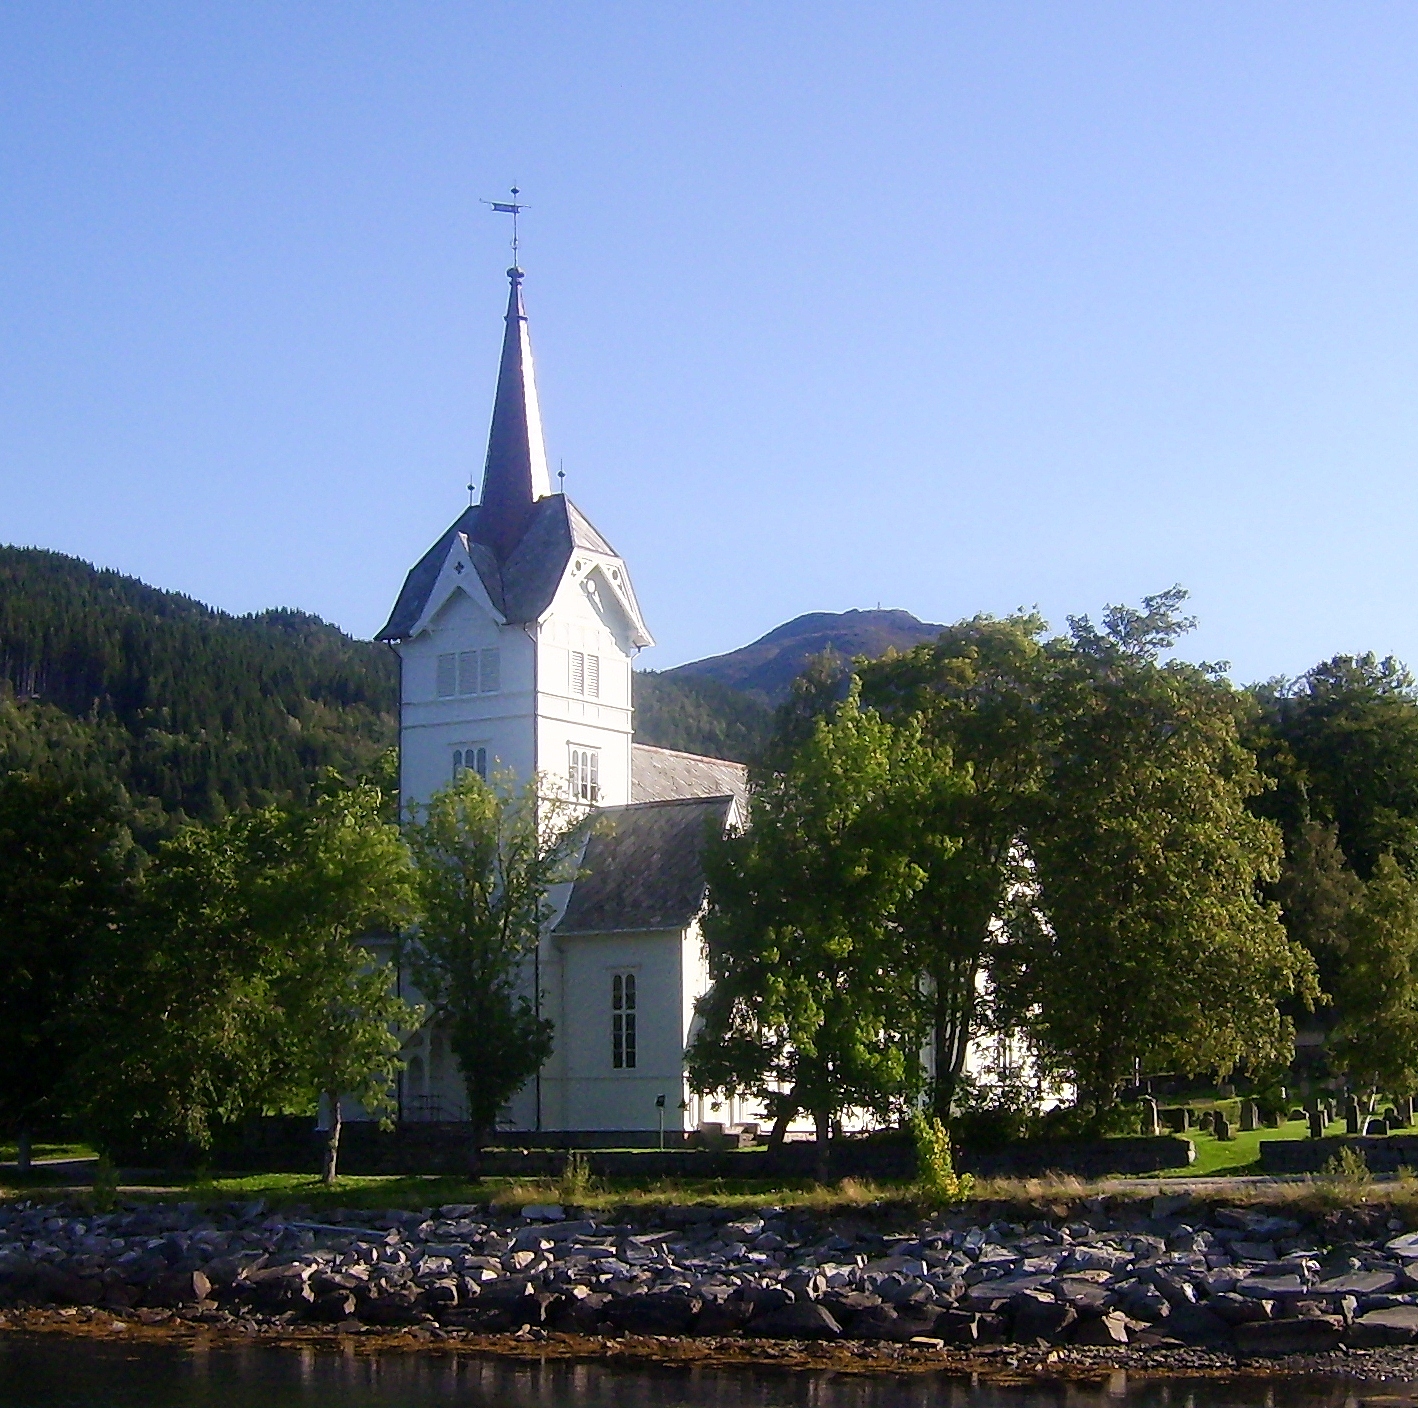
(660, 1110)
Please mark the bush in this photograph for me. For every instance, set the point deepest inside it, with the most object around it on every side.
(935, 1166)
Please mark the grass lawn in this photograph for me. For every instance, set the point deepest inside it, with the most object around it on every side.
(10, 1152)
(1239, 1154)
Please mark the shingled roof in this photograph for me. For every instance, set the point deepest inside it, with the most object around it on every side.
(659, 774)
(645, 866)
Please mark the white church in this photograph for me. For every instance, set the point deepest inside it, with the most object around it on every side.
(516, 635)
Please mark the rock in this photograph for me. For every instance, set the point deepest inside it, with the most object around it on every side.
(657, 1313)
(392, 1307)
(723, 1317)
(1145, 1303)
(544, 1212)
(1197, 1325)
(803, 1320)
(1039, 1317)
(180, 1288)
(1356, 1283)
(1312, 1335)
(1082, 1294)
(1239, 1310)
(1272, 1287)
(1378, 1328)
(1107, 1329)
(332, 1308)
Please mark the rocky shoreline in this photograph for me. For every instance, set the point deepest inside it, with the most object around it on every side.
(1172, 1286)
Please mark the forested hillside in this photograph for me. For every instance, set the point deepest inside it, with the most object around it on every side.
(699, 716)
(192, 711)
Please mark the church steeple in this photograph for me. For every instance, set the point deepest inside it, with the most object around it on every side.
(515, 475)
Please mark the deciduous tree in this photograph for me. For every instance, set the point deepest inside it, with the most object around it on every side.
(487, 856)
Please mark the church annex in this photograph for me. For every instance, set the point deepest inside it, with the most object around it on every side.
(516, 634)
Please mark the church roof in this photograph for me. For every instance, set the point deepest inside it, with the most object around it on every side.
(645, 866)
(658, 774)
(520, 537)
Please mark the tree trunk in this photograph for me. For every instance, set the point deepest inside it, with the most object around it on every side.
(953, 1015)
(823, 1120)
(476, 1140)
(332, 1139)
(24, 1151)
(786, 1108)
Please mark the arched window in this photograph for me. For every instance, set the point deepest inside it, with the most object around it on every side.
(623, 1014)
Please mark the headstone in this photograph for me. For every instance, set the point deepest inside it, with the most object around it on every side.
(1375, 1128)
(1351, 1116)
(1250, 1117)
(1226, 1092)
(1316, 1124)
(1150, 1121)
(1222, 1126)
(1403, 1106)
(1271, 1119)
(1208, 1119)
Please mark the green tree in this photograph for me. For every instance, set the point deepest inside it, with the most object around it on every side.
(1149, 942)
(341, 878)
(242, 983)
(974, 692)
(1376, 984)
(67, 879)
(814, 1003)
(487, 855)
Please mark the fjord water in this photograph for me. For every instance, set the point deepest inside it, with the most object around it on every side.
(48, 1372)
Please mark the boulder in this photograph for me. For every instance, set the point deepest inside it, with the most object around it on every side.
(1312, 1334)
(803, 1320)
(723, 1317)
(332, 1307)
(181, 1288)
(1197, 1325)
(1377, 1328)
(655, 1313)
(1039, 1317)
(1110, 1328)
(1240, 1310)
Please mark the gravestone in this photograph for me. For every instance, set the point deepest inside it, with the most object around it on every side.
(1351, 1116)
(1221, 1126)
(1271, 1119)
(1151, 1124)
(1250, 1117)
(1316, 1124)
(1208, 1120)
(1403, 1107)
(1375, 1128)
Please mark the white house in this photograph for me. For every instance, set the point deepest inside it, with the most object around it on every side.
(516, 634)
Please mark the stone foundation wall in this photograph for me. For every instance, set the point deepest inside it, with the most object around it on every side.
(1383, 1155)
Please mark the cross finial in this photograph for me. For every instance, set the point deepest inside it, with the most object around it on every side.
(513, 208)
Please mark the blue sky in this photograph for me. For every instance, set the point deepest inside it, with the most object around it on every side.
(952, 307)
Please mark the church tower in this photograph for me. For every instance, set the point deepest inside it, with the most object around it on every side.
(516, 630)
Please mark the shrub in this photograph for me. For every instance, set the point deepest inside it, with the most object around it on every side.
(935, 1166)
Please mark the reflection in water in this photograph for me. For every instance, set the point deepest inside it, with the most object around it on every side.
(40, 1372)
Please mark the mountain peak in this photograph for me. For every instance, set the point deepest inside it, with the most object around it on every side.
(768, 666)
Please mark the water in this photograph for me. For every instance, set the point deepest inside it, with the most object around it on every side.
(42, 1372)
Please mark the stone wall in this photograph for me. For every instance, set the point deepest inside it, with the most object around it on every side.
(1083, 1158)
(1382, 1155)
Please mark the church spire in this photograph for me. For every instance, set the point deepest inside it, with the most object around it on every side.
(515, 475)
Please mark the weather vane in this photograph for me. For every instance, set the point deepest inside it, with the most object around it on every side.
(514, 209)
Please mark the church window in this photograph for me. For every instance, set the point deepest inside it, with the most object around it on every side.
(623, 1021)
(585, 775)
(467, 672)
(474, 759)
(491, 671)
(447, 676)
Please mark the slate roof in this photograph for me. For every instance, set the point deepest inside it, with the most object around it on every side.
(523, 586)
(659, 774)
(645, 866)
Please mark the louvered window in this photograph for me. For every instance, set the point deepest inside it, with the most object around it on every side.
(491, 671)
(585, 674)
(447, 685)
(623, 1021)
(467, 672)
(585, 775)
